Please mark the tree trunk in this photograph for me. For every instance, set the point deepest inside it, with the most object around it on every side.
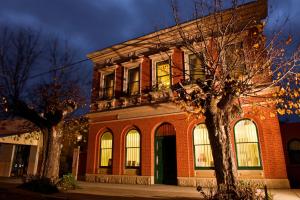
(51, 153)
(218, 124)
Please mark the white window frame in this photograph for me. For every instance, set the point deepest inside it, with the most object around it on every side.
(156, 58)
(104, 72)
(131, 65)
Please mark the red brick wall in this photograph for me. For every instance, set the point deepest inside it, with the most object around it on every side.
(147, 128)
(119, 81)
(268, 132)
(146, 73)
(95, 85)
(177, 65)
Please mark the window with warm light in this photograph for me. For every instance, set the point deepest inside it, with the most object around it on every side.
(106, 150)
(134, 81)
(235, 60)
(133, 149)
(109, 80)
(197, 67)
(163, 74)
(247, 144)
(202, 149)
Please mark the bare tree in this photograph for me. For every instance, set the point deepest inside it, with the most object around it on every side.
(44, 102)
(237, 65)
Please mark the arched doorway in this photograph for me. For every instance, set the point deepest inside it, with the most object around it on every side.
(165, 171)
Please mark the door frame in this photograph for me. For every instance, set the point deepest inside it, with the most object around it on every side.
(156, 153)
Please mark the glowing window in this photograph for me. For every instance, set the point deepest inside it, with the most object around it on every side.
(109, 86)
(247, 145)
(197, 67)
(133, 149)
(203, 154)
(134, 81)
(106, 150)
(163, 75)
(235, 60)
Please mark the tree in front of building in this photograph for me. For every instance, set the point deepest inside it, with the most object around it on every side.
(75, 133)
(44, 100)
(232, 63)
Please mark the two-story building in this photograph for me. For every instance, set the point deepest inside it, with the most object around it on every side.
(138, 136)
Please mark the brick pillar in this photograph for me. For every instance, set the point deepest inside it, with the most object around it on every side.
(147, 151)
(95, 85)
(92, 153)
(118, 153)
(146, 73)
(177, 65)
(119, 81)
(183, 149)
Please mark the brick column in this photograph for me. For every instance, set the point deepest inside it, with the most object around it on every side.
(177, 65)
(119, 81)
(146, 73)
(118, 150)
(92, 150)
(95, 85)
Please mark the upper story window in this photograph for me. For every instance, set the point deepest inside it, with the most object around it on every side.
(235, 60)
(294, 151)
(106, 150)
(163, 74)
(197, 67)
(108, 89)
(247, 145)
(202, 148)
(134, 81)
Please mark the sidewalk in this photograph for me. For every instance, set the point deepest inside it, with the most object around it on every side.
(152, 191)
(163, 191)
(286, 194)
(101, 191)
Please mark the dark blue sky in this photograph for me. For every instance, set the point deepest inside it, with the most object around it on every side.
(94, 24)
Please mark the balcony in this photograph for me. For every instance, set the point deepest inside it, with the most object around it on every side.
(148, 98)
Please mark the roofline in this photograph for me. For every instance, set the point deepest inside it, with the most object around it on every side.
(165, 30)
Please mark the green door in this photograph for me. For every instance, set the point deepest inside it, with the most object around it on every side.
(165, 160)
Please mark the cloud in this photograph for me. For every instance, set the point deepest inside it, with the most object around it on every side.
(95, 24)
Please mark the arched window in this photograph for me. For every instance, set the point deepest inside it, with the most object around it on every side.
(202, 149)
(133, 149)
(247, 145)
(106, 150)
(294, 151)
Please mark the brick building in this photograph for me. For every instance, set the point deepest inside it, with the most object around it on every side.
(137, 135)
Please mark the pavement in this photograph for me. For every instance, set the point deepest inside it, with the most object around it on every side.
(101, 191)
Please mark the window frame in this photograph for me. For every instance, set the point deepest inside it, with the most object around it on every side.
(140, 149)
(194, 149)
(129, 82)
(240, 71)
(190, 74)
(168, 61)
(258, 146)
(112, 148)
(104, 96)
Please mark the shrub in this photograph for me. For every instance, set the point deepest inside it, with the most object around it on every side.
(245, 190)
(38, 184)
(67, 182)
